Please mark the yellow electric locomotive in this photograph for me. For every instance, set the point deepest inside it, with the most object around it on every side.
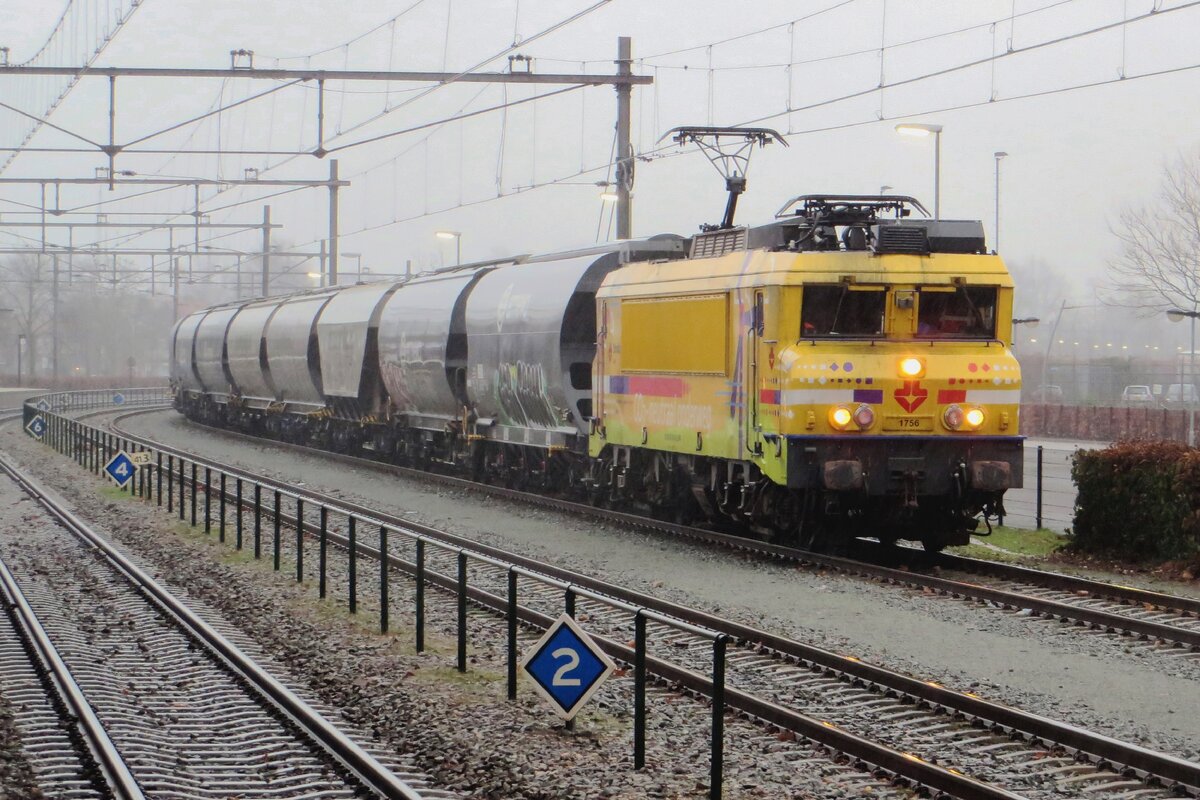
(843, 371)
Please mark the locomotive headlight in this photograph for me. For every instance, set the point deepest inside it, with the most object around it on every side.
(839, 417)
(864, 417)
(975, 417)
(953, 417)
(911, 367)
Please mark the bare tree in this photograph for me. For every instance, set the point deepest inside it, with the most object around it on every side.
(25, 288)
(1159, 264)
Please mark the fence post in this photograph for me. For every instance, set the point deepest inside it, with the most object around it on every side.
(221, 526)
(1039, 487)
(353, 523)
(170, 485)
(383, 579)
(158, 476)
(718, 718)
(569, 608)
(321, 551)
(299, 540)
(237, 523)
(275, 527)
(420, 595)
(258, 520)
(512, 633)
(194, 487)
(639, 689)
(462, 611)
(208, 500)
(182, 502)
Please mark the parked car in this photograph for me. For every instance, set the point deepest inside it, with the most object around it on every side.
(1050, 393)
(1180, 395)
(1139, 396)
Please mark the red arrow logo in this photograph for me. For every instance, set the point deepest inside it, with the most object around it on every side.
(771, 358)
(910, 395)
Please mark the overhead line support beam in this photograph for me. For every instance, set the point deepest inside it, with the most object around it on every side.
(334, 75)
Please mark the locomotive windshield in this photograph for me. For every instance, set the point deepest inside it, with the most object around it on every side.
(962, 312)
(842, 310)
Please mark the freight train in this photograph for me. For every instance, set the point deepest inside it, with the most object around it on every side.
(843, 370)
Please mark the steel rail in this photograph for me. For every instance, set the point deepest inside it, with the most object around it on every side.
(343, 750)
(905, 766)
(114, 772)
(1131, 595)
(1096, 618)
(1176, 771)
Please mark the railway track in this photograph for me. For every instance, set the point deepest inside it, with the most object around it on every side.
(773, 677)
(1161, 620)
(125, 692)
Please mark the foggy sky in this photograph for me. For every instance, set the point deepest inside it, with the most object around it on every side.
(1075, 158)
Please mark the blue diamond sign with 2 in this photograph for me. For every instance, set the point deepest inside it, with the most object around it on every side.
(37, 427)
(566, 667)
(120, 468)
(118, 399)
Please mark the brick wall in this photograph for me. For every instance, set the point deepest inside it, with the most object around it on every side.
(1104, 423)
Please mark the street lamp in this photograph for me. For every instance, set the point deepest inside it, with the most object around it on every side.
(1030, 321)
(885, 189)
(20, 341)
(998, 155)
(358, 263)
(457, 237)
(1178, 315)
(923, 129)
(239, 254)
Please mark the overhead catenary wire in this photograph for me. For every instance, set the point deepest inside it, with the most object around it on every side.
(508, 49)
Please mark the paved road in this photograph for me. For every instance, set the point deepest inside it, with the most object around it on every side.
(1058, 492)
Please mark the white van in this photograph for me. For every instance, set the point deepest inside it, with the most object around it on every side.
(1180, 394)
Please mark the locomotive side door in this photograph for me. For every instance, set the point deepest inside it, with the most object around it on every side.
(762, 356)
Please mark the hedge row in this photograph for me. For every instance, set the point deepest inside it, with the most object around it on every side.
(1138, 501)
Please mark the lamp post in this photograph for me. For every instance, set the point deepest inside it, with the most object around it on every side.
(457, 237)
(884, 189)
(998, 155)
(1178, 315)
(1031, 322)
(923, 129)
(20, 342)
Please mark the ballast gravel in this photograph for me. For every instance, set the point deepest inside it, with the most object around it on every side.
(1108, 683)
(456, 727)
(16, 776)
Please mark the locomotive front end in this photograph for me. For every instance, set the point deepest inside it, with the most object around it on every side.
(899, 400)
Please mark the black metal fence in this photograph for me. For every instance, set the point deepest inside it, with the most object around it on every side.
(180, 482)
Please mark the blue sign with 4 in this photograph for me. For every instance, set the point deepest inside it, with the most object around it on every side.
(120, 468)
(566, 666)
(37, 427)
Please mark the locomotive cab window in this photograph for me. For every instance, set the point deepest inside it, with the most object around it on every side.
(956, 312)
(842, 310)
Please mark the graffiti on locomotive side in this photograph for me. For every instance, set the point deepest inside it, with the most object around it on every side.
(670, 413)
(524, 396)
